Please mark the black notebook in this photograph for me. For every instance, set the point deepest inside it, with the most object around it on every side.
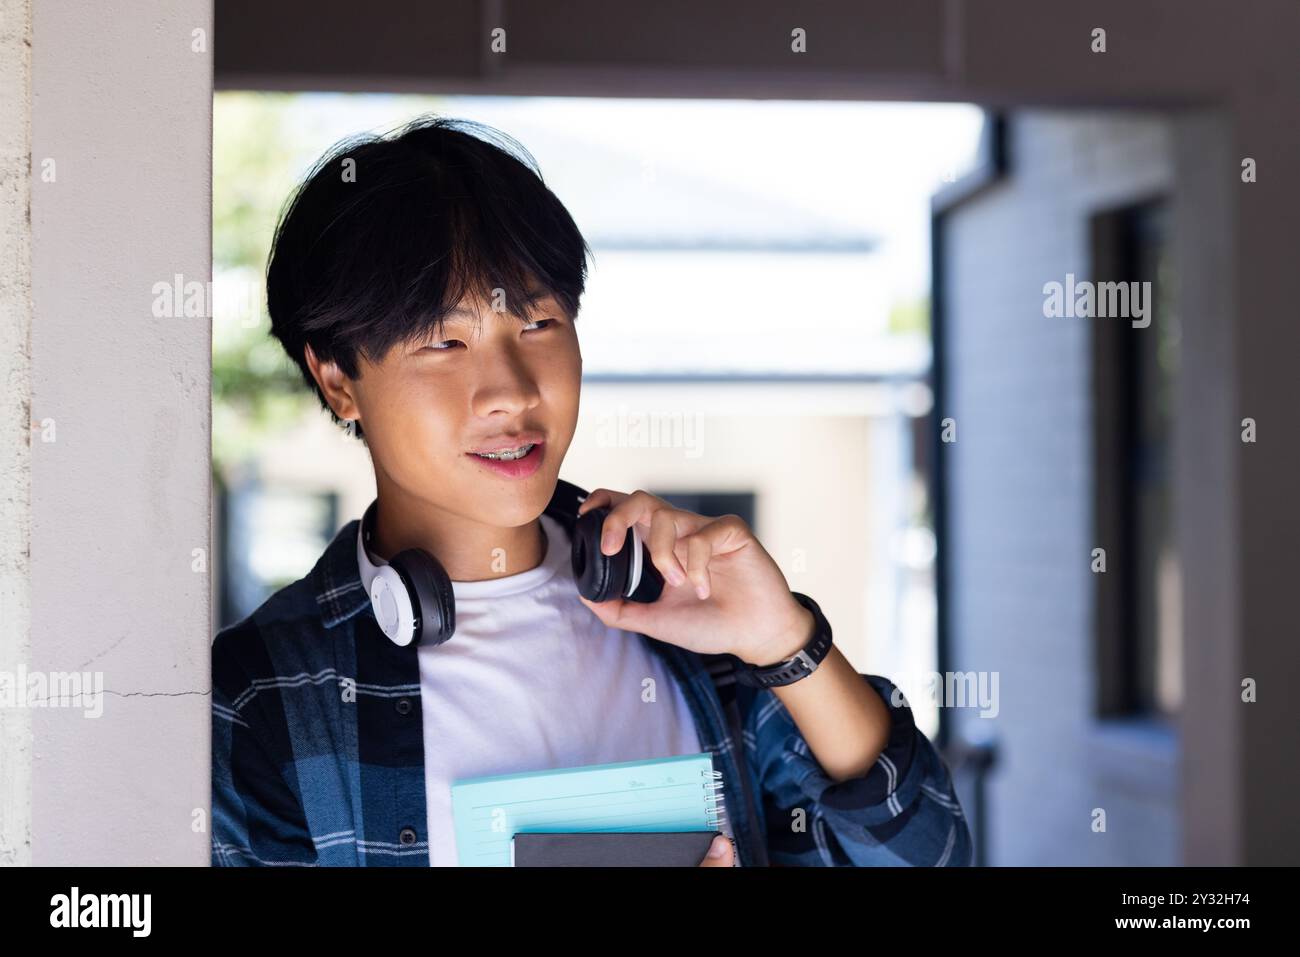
(611, 849)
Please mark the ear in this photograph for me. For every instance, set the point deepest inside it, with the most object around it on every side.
(334, 383)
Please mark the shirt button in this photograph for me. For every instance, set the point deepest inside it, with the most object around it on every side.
(403, 705)
(407, 836)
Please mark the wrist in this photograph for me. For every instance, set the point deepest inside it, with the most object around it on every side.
(785, 645)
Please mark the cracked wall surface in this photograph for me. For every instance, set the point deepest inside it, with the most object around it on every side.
(121, 168)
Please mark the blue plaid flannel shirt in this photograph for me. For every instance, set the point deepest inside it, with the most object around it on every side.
(318, 752)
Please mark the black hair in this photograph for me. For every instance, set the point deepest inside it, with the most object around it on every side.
(372, 253)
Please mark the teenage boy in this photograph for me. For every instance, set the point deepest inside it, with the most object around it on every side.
(427, 285)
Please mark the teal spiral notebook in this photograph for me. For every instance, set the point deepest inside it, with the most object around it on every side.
(681, 793)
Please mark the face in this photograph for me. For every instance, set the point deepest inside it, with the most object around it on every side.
(484, 383)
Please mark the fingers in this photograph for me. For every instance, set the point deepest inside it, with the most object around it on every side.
(704, 538)
(639, 508)
(600, 497)
(620, 613)
(662, 544)
(624, 515)
(721, 853)
(719, 537)
(698, 552)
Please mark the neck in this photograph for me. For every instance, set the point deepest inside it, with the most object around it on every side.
(469, 551)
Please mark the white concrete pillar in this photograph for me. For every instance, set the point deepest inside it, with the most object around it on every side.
(105, 498)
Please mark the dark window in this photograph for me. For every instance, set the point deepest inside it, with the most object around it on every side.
(1137, 600)
(714, 504)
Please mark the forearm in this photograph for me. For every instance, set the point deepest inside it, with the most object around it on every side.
(843, 719)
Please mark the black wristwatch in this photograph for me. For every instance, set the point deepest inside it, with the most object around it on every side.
(801, 664)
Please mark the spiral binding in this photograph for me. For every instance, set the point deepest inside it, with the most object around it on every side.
(713, 799)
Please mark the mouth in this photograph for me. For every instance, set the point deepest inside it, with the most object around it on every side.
(519, 461)
(508, 455)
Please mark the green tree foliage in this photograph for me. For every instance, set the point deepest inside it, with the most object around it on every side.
(256, 389)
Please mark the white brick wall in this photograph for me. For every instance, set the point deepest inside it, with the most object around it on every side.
(1020, 524)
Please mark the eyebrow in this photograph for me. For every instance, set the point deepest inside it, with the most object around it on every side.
(460, 312)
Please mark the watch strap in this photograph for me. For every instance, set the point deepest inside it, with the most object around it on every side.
(799, 665)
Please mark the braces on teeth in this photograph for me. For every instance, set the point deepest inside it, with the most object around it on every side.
(507, 455)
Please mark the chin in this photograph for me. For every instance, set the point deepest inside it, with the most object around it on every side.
(524, 503)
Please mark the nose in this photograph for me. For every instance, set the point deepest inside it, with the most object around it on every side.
(506, 384)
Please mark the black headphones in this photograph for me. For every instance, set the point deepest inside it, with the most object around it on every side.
(412, 597)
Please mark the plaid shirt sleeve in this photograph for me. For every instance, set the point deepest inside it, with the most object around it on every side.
(901, 812)
(257, 818)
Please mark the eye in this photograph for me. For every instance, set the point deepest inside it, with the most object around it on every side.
(444, 345)
(536, 327)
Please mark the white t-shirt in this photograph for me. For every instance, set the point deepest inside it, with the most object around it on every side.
(533, 680)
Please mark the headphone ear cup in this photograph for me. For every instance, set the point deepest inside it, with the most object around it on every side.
(431, 593)
(650, 582)
(600, 577)
(390, 599)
